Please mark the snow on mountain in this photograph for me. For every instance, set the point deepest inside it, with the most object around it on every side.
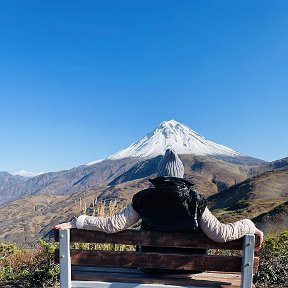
(172, 134)
(27, 174)
(94, 162)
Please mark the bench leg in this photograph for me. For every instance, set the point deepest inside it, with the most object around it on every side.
(65, 260)
(247, 261)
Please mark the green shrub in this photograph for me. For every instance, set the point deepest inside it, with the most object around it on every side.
(273, 267)
(31, 268)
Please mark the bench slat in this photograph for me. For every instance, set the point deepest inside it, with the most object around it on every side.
(117, 260)
(153, 238)
(99, 284)
(211, 279)
(156, 260)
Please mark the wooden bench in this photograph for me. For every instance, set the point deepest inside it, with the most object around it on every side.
(118, 269)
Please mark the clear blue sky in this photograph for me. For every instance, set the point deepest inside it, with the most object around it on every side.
(80, 80)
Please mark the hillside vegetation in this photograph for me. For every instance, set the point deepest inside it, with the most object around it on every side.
(273, 221)
(20, 267)
(252, 198)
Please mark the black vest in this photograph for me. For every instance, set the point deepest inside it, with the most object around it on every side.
(171, 206)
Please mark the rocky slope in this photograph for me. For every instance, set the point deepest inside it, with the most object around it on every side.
(280, 164)
(209, 174)
(274, 221)
(254, 196)
(7, 180)
(30, 218)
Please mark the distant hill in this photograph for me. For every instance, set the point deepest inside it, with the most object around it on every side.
(274, 221)
(7, 180)
(280, 164)
(209, 174)
(77, 179)
(252, 197)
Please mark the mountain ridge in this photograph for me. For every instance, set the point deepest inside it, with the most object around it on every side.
(169, 134)
(7, 179)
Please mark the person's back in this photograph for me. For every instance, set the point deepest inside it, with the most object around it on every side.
(170, 205)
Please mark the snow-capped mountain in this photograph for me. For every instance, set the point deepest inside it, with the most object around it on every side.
(27, 174)
(172, 134)
(137, 161)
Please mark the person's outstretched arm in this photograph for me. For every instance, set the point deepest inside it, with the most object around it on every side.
(118, 222)
(221, 232)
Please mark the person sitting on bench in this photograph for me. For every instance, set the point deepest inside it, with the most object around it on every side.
(171, 205)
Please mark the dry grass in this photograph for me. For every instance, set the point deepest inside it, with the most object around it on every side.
(104, 208)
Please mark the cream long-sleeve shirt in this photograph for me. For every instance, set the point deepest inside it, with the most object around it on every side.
(209, 224)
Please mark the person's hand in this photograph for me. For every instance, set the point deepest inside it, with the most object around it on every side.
(261, 235)
(67, 225)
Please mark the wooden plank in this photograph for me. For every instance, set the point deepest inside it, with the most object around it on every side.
(94, 269)
(150, 280)
(97, 284)
(100, 267)
(199, 280)
(153, 238)
(143, 280)
(156, 260)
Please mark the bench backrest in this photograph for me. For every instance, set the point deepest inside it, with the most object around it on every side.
(246, 263)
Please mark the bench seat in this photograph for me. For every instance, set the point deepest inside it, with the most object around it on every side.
(119, 269)
(122, 275)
